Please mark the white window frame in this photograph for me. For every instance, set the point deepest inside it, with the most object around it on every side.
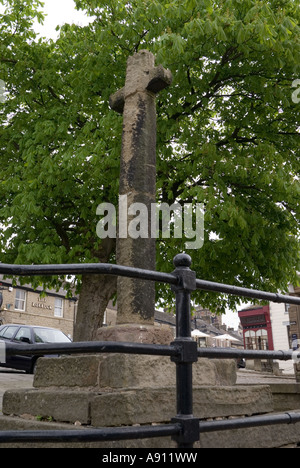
(20, 301)
(58, 309)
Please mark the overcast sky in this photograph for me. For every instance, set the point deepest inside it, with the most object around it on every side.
(60, 12)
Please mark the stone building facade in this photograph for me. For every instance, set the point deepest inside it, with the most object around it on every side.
(273, 327)
(24, 305)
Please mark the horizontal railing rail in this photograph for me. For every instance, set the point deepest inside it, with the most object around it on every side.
(91, 347)
(251, 421)
(12, 349)
(184, 428)
(234, 353)
(92, 435)
(87, 268)
(245, 292)
(118, 270)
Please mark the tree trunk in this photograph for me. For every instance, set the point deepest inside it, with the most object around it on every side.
(96, 291)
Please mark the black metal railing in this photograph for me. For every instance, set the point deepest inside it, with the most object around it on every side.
(184, 428)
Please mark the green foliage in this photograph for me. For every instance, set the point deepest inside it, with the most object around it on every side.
(228, 132)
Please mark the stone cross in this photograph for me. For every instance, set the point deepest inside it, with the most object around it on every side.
(136, 101)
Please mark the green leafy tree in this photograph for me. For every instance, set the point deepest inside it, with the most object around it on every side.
(228, 137)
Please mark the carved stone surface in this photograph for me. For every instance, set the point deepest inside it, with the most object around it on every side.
(136, 298)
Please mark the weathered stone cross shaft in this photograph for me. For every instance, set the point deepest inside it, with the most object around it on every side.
(136, 298)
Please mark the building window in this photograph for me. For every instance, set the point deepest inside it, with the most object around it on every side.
(58, 309)
(250, 342)
(20, 300)
(262, 340)
(257, 340)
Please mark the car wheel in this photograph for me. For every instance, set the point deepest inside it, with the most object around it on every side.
(33, 367)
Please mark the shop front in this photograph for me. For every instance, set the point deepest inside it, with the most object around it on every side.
(257, 328)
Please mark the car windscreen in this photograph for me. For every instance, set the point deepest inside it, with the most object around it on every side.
(47, 335)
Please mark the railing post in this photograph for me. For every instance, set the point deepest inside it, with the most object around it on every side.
(187, 352)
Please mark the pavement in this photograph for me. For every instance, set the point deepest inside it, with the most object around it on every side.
(249, 377)
(12, 380)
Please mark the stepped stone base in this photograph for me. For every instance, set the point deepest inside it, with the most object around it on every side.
(122, 390)
(134, 406)
(118, 389)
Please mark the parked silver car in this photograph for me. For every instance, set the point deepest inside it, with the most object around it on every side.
(22, 334)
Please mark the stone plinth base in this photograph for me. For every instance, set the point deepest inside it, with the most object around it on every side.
(115, 390)
(51, 405)
(130, 389)
(132, 333)
(120, 371)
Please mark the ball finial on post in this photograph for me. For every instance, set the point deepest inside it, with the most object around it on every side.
(182, 260)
